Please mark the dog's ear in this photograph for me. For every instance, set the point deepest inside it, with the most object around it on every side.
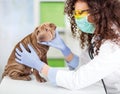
(52, 25)
(36, 31)
(36, 28)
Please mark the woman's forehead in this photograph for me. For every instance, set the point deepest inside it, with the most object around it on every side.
(80, 5)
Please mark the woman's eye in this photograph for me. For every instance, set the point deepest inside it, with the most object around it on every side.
(80, 12)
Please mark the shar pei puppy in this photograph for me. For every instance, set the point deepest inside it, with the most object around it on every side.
(44, 32)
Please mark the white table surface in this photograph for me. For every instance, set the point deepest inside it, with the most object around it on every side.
(9, 86)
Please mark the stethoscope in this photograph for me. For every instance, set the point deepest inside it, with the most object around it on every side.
(91, 51)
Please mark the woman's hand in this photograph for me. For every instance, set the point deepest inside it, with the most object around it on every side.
(30, 59)
(58, 43)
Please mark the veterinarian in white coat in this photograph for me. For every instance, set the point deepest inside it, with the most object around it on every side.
(98, 23)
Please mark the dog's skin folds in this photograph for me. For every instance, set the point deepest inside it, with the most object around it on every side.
(44, 32)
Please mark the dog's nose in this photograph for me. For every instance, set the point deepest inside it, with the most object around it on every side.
(42, 38)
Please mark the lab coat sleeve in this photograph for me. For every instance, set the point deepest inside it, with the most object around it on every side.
(53, 71)
(52, 75)
(105, 63)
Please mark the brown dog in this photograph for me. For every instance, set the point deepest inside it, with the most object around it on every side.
(44, 32)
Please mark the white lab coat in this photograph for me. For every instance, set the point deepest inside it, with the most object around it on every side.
(106, 65)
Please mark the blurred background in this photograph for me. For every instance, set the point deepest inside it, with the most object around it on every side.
(19, 18)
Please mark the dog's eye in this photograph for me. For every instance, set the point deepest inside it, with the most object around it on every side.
(46, 30)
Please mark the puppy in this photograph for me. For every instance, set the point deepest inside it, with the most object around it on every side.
(44, 32)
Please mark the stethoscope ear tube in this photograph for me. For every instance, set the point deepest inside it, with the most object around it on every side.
(91, 51)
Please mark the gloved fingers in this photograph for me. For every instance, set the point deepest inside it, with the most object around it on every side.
(18, 60)
(56, 33)
(17, 56)
(31, 48)
(45, 43)
(22, 48)
(18, 51)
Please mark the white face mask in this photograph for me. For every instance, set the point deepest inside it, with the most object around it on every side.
(84, 25)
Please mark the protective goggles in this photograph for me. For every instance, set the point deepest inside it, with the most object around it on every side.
(80, 13)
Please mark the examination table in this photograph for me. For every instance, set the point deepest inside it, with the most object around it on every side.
(9, 86)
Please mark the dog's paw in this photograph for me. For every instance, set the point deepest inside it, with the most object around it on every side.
(41, 79)
(26, 78)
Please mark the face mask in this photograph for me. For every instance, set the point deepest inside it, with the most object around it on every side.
(84, 25)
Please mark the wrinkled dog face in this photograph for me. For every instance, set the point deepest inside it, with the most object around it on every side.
(45, 32)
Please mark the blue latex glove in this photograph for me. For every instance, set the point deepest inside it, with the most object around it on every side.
(73, 64)
(30, 59)
(58, 43)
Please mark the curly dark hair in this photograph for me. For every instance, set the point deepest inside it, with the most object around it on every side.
(106, 13)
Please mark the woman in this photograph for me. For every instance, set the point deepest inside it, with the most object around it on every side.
(98, 24)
